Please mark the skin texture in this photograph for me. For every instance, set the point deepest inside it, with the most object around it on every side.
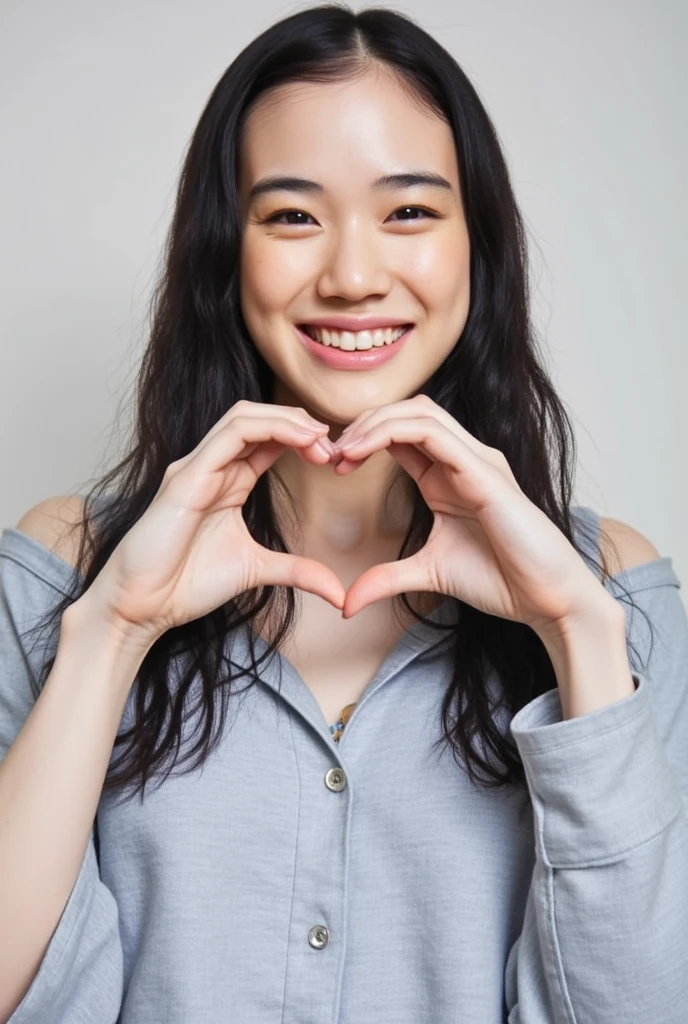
(353, 250)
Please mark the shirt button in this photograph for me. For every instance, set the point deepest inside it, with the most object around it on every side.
(318, 936)
(335, 780)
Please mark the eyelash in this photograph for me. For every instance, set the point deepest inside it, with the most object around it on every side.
(281, 213)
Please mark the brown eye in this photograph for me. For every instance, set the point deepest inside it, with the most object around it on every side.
(276, 217)
(420, 209)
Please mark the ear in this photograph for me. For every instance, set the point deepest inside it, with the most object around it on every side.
(632, 548)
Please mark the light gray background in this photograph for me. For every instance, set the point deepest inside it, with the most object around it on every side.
(98, 102)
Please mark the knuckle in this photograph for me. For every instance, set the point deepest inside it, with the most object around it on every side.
(424, 423)
(500, 462)
(171, 475)
(238, 423)
(494, 459)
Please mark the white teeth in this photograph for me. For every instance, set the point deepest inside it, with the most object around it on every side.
(358, 340)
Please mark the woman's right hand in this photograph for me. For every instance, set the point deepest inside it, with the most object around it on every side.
(191, 551)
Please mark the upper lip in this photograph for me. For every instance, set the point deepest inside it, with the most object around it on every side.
(355, 323)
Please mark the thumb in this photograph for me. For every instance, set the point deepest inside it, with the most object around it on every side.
(304, 573)
(387, 580)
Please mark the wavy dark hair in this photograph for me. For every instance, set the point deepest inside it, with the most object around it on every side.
(200, 360)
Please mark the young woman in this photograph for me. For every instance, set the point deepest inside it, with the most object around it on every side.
(345, 715)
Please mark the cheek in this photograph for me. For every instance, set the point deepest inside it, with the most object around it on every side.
(269, 278)
(267, 289)
(440, 275)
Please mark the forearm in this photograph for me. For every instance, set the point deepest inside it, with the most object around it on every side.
(50, 784)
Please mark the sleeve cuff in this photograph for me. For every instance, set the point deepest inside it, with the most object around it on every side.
(601, 784)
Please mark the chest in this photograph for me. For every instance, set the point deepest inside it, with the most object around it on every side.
(336, 657)
(409, 839)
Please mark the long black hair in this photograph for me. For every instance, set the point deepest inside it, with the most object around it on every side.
(200, 360)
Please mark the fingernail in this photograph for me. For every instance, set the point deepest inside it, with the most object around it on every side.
(323, 447)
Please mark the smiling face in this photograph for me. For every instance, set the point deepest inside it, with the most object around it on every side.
(347, 247)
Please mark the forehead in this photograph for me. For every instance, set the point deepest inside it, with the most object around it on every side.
(344, 131)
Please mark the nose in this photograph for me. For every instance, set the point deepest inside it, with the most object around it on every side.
(354, 266)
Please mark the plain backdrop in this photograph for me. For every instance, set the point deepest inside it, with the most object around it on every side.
(98, 101)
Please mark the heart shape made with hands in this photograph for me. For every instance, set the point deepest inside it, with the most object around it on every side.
(489, 546)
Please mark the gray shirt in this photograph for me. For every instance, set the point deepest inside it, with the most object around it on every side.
(296, 880)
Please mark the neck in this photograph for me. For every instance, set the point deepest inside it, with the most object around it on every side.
(365, 511)
(348, 522)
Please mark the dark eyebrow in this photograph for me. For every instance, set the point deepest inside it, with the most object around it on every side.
(277, 183)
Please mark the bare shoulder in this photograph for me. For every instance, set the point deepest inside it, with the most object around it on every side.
(54, 523)
(632, 547)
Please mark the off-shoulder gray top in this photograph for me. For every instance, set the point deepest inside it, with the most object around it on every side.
(300, 879)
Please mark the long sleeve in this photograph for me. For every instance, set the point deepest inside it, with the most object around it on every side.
(605, 931)
(80, 976)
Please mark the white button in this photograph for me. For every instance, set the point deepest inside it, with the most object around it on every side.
(335, 780)
(318, 936)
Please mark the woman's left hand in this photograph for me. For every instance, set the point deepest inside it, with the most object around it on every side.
(490, 546)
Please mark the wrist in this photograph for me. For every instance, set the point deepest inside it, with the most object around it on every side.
(90, 621)
(600, 614)
(589, 657)
(95, 654)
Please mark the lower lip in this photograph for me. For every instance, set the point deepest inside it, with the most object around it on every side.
(356, 360)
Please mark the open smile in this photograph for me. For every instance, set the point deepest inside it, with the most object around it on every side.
(354, 350)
